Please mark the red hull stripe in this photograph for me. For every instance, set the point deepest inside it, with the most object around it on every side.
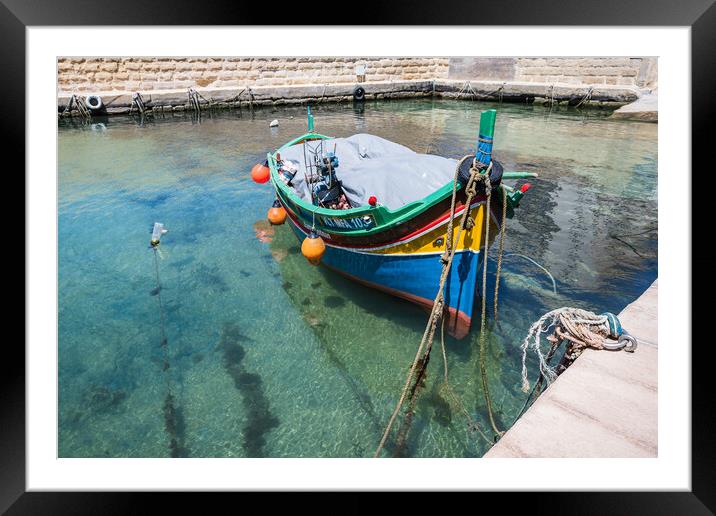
(409, 236)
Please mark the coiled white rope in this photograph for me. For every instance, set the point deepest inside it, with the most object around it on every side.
(580, 328)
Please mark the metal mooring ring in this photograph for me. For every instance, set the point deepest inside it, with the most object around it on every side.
(626, 342)
(629, 342)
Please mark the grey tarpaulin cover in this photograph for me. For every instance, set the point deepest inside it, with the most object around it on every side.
(370, 165)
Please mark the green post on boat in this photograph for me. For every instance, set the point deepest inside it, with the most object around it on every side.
(485, 136)
(310, 120)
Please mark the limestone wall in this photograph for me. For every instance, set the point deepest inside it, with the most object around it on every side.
(234, 81)
(621, 71)
(94, 75)
(640, 72)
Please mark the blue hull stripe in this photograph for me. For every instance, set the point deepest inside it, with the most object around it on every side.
(415, 275)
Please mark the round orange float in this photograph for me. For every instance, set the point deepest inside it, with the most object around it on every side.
(276, 214)
(313, 248)
(260, 173)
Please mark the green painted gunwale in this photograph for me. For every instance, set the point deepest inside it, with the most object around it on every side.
(384, 217)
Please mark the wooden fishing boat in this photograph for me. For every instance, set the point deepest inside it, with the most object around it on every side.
(396, 246)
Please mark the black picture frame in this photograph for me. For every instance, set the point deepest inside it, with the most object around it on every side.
(699, 15)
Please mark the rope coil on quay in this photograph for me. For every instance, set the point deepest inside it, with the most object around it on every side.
(580, 329)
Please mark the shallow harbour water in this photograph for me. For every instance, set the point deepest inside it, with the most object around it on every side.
(269, 356)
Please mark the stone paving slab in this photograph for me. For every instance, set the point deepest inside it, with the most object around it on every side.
(646, 108)
(604, 405)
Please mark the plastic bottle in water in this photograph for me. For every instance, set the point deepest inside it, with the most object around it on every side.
(157, 233)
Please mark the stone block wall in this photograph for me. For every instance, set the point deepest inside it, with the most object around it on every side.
(83, 75)
(618, 71)
(640, 72)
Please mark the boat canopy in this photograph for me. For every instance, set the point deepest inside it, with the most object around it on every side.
(372, 166)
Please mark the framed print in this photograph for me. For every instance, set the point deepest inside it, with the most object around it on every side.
(365, 258)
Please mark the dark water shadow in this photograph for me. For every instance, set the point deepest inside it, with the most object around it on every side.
(260, 419)
(175, 426)
(153, 201)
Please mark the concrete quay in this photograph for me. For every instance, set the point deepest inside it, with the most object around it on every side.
(604, 405)
(645, 108)
(120, 102)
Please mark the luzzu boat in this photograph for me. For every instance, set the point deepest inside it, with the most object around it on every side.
(377, 212)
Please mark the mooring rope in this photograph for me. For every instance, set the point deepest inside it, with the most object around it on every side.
(471, 423)
(554, 283)
(436, 312)
(538, 386)
(194, 97)
(580, 328)
(139, 102)
(500, 251)
(483, 319)
(169, 405)
(467, 88)
(476, 176)
(586, 97)
(68, 107)
(77, 101)
(162, 323)
(82, 108)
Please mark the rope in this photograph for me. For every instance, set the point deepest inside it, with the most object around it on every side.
(471, 423)
(81, 108)
(438, 303)
(169, 407)
(483, 336)
(68, 107)
(136, 99)
(500, 251)
(580, 328)
(499, 90)
(193, 96)
(586, 98)
(162, 324)
(467, 87)
(538, 386)
(551, 96)
(554, 283)
(323, 95)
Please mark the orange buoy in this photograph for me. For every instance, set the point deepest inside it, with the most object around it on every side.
(313, 248)
(260, 173)
(277, 214)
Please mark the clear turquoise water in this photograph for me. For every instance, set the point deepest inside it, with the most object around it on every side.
(271, 357)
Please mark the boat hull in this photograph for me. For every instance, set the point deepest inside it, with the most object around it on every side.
(411, 267)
